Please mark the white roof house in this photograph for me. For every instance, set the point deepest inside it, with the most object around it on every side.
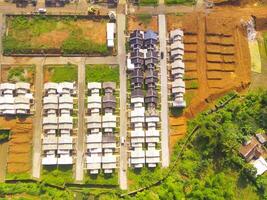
(178, 83)
(7, 86)
(94, 85)
(152, 136)
(94, 141)
(49, 142)
(260, 164)
(65, 142)
(137, 158)
(50, 102)
(177, 71)
(65, 122)
(178, 64)
(22, 86)
(49, 159)
(137, 136)
(65, 159)
(50, 86)
(176, 34)
(108, 163)
(176, 52)
(111, 28)
(65, 102)
(93, 121)
(93, 163)
(50, 122)
(94, 102)
(152, 157)
(177, 45)
(109, 120)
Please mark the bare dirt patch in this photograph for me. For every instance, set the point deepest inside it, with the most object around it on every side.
(224, 63)
(20, 144)
(135, 23)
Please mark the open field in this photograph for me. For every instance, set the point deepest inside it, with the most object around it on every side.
(142, 22)
(102, 73)
(223, 66)
(60, 73)
(66, 35)
(24, 73)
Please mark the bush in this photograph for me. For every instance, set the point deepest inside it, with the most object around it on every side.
(4, 135)
(148, 2)
(102, 179)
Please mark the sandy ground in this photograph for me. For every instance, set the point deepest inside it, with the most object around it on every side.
(224, 63)
(20, 144)
(134, 23)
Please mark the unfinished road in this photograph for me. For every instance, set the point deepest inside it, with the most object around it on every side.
(81, 122)
(164, 93)
(123, 90)
(37, 146)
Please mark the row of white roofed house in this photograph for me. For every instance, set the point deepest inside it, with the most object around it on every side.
(144, 122)
(177, 67)
(15, 98)
(101, 124)
(57, 140)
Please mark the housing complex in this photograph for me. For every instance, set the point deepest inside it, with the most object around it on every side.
(57, 140)
(101, 124)
(144, 102)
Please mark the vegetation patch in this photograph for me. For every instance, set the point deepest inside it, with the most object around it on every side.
(17, 176)
(144, 18)
(61, 73)
(148, 2)
(4, 135)
(50, 34)
(102, 73)
(21, 73)
(57, 175)
(181, 2)
(102, 179)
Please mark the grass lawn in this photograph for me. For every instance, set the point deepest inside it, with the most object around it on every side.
(182, 2)
(16, 176)
(57, 175)
(48, 34)
(102, 179)
(102, 73)
(63, 73)
(148, 2)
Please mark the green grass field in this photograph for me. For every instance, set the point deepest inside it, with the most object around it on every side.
(102, 73)
(57, 175)
(181, 2)
(148, 2)
(48, 34)
(102, 179)
(63, 73)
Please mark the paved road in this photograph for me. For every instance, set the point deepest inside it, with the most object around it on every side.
(3, 160)
(59, 60)
(164, 94)
(123, 115)
(81, 130)
(38, 94)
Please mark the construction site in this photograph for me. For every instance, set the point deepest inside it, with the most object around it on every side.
(217, 58)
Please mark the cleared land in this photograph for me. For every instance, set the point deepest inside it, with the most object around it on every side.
(142, 22)
(20, 144)
(47, 34)
(223, 66)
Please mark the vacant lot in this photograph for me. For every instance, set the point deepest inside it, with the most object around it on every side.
(60, 73)
(102, 73)
(20, 144)
(17, 73)
(47, 34)
(142, 22)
